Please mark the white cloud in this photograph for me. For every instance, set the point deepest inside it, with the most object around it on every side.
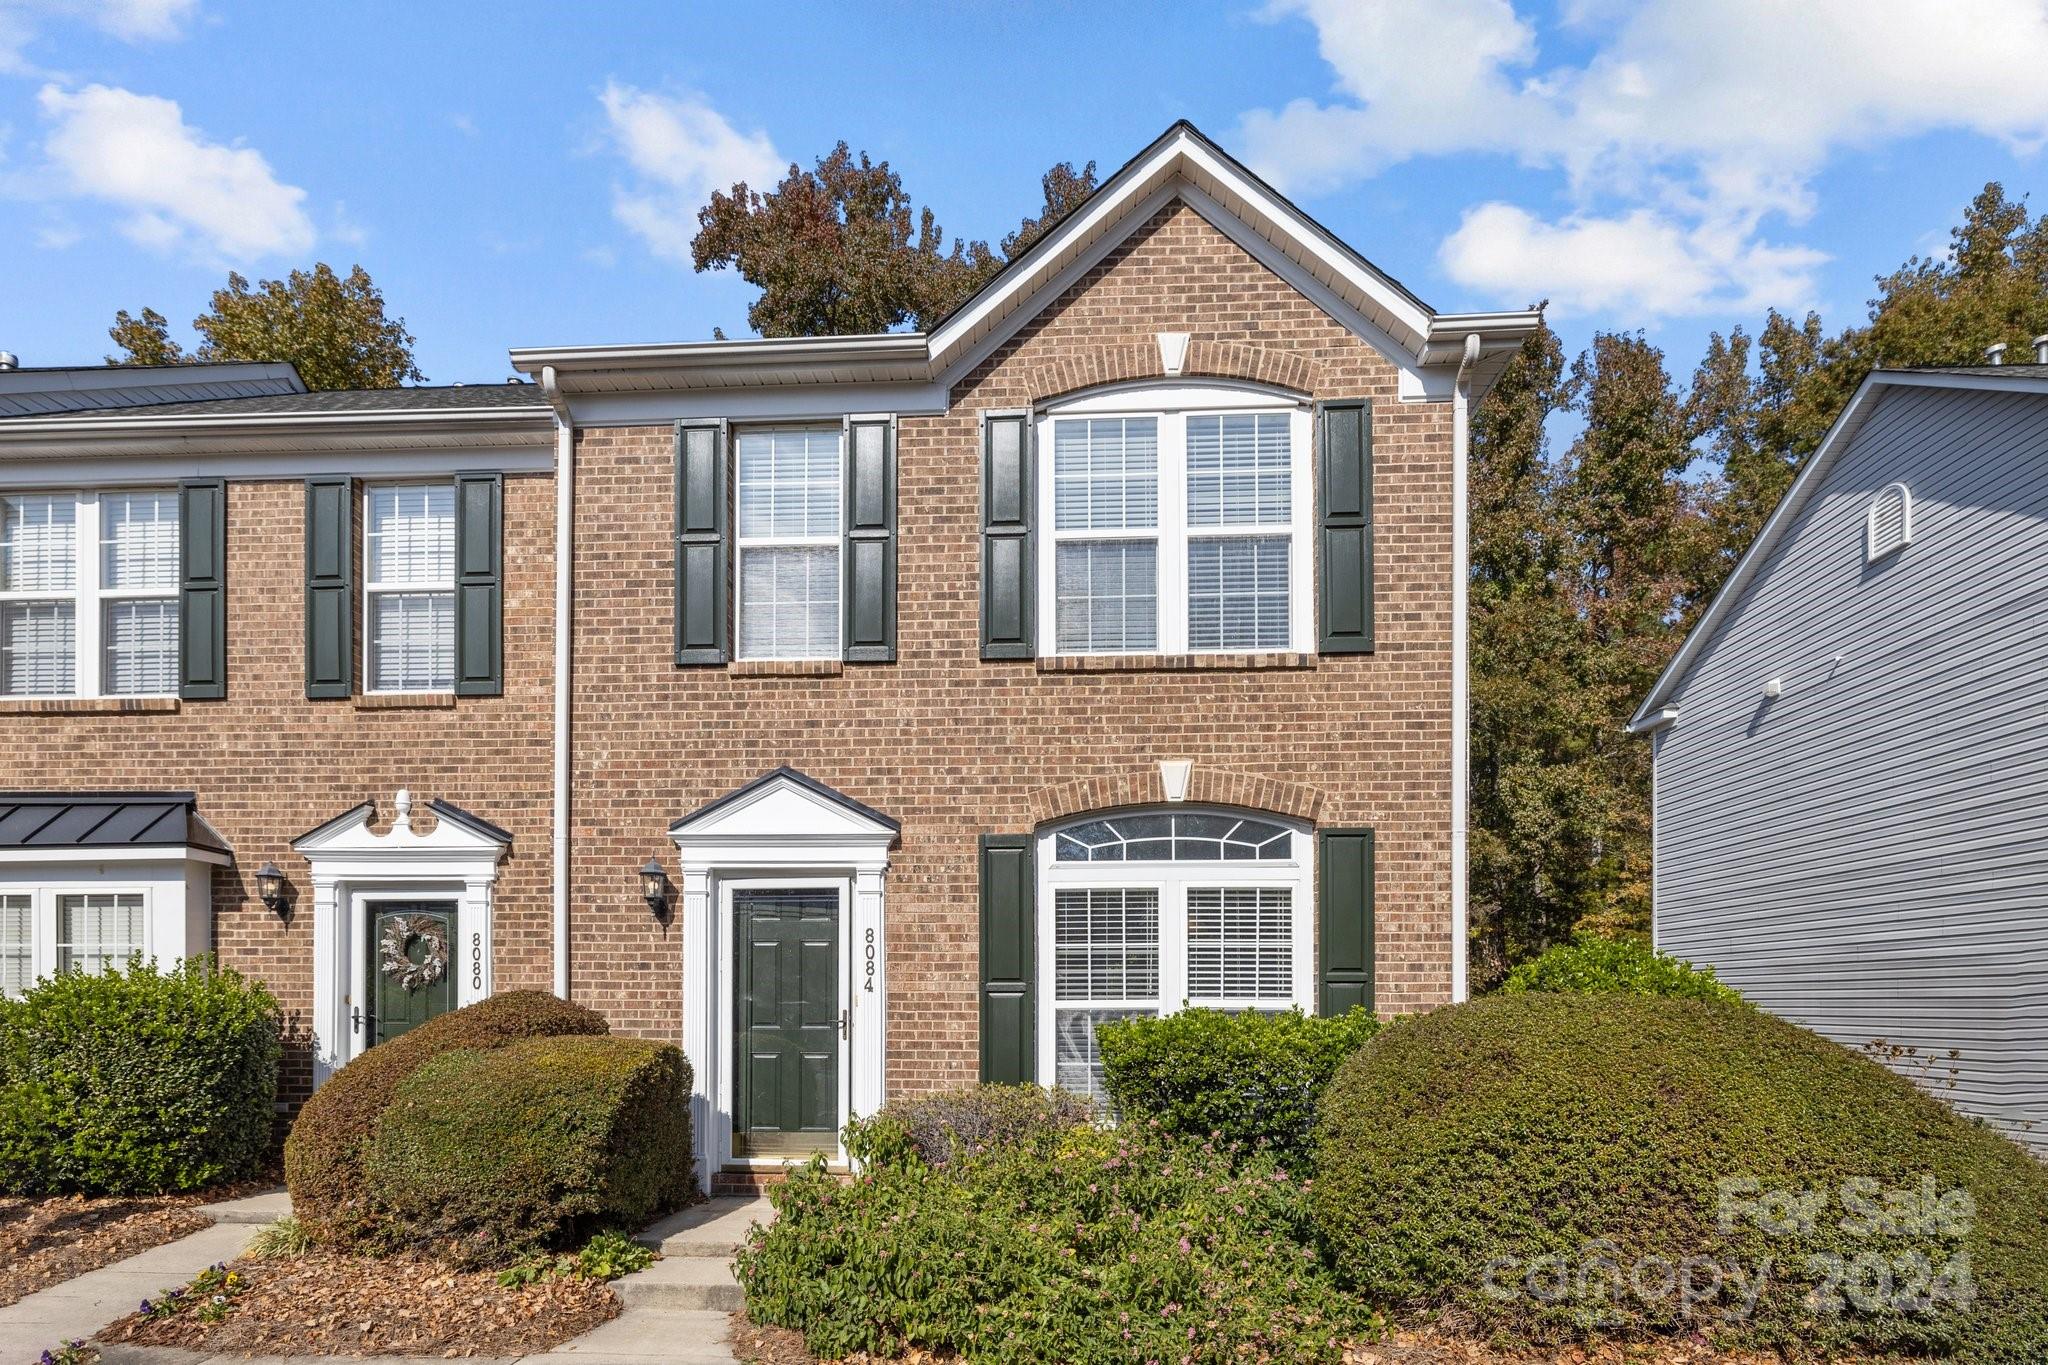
(136, 20)
(132, 21)
(1686, 127)
(680, 150)
(177, 189)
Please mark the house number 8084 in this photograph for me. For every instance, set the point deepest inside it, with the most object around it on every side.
(868, 977)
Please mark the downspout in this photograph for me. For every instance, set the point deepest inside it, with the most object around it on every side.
(565, 521)
(1461, 658)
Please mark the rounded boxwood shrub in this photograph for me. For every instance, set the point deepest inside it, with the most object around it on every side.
(1594, 965)
(1247, 1078)
(1076, 1246)
(136, 1081)
(323, 1156)
(1562, 1165)
(486, 1155)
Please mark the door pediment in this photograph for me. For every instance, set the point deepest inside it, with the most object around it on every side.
(786, 809)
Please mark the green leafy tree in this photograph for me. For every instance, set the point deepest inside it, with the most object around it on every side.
(840, 249)
(334, 329)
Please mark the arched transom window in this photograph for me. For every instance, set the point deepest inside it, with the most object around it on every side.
(1144, 912)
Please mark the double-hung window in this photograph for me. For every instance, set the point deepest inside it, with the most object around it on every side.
(1178, 522)
(61, 928)
(89, 593)
(409, 587)
(788, 484)
(1145, 912)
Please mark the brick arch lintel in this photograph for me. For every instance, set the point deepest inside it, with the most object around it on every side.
(1096, 366)
(1141, 785)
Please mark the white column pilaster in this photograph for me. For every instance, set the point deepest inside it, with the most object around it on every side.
(700, 1016)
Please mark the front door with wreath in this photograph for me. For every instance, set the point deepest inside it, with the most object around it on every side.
(412, 977)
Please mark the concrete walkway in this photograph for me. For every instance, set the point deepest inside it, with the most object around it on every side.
(678, 1310)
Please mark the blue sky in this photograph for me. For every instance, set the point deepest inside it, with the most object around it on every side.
(516, 174)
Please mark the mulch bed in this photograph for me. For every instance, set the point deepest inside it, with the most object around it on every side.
(762, 1345)
(46, 1241)
(326, 1303)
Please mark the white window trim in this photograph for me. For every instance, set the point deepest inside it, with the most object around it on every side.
(1874, 548)
(89, 596)
(1172, 881)
(373, 590)
(1172, 405)
(45, 929)
(836, 542)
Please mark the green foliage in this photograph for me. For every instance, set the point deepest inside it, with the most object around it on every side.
(483, 1156)
(1514, 1161)
(1248, 1079)
(952, 1125)
(136, 1081)
(839, 249)
(323, 1156)
(606, 1256)
(281, 1240)
(332, 328)
(210, 1297)
(1077, 1247)
(1592, 965)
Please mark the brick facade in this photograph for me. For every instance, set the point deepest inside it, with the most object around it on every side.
(267, 764)
(955, 747)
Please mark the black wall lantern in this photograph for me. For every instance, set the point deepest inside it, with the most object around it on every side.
(654, 887)
(270, 887)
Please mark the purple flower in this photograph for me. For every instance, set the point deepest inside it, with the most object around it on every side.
(147, 1307)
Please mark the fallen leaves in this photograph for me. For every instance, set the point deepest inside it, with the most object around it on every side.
(327, 1303)
(46, 1241)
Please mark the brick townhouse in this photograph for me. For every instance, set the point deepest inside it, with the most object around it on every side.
(866, 714)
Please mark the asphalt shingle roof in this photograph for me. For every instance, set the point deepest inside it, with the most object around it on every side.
(425, 398)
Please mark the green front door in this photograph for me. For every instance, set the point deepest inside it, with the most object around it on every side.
(787, 999)
(412, 972)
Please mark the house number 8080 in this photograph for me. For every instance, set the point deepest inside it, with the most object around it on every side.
(868, 978)
(476, 961)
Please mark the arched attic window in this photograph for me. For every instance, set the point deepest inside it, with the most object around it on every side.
(1142, 912)
(1888, 527)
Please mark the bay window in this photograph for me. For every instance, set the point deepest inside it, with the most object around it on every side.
(1177, 522)
(409, 587)
(89, 593)
(1144, 913)
(789, 500)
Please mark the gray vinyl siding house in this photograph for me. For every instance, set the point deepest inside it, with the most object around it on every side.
(1851, 750)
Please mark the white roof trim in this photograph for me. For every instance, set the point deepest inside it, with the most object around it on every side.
(136, 432)
(1182, 164)
(154, 853)
(1660, 707)
(347, 848)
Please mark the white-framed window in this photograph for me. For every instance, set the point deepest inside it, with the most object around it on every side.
(89, 593)
(788, 484)
(64, 926)
(409, 587)
(1145, 912)
(1177, 522)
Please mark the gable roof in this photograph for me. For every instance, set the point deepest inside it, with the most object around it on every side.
(1182, 163)
(1659, 708)
(775, 777)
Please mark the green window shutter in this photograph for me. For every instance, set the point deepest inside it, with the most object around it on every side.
(1008, 577)
(330, 586)
(870, 546)
(1008, 939)
(1344, 526)
(203, 589)
(1344, 919)
(479, 585)
(703, 605)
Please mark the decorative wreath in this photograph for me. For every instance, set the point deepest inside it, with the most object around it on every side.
(396, 963)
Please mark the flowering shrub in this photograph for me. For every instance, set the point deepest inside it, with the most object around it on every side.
(1078, 1246)
(138, 1081)
(1593, 965)
(1247, 1078)
(962, 1123)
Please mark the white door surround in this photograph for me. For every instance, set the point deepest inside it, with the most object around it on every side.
(352, 868)
(782, 829)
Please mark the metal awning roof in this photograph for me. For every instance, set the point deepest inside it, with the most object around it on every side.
(105, 820)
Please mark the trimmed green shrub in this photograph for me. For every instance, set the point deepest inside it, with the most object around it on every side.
(136, 1082)
(1077, 1247)
(323, 1156)
(951, 1125)
(483, 1156)
(1593, 965)
(1252, 1079)
(1559, 1166)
